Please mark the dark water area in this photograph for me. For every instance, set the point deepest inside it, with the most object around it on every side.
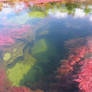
(35, 41)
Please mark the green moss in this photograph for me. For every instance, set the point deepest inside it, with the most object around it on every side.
(45, 53)
(87, 10)
(39, 47)
(12, 53)
(17, 73)
(7, 56)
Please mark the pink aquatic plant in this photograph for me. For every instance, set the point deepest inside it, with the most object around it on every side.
(84, 76)
(8, 35)
(76, 70)
(6, 40)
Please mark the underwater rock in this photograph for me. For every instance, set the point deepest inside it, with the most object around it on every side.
(39, 47)
(17, 73)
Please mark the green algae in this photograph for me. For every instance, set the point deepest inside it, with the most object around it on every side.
(39, 47)
(45, 54)
(13, 52)
(34, 67)
(17, 72)
(7, 56)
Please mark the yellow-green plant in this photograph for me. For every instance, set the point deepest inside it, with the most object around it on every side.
(19, 70)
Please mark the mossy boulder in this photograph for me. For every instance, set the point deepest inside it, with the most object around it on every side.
(7, 56)
(13, 52)
(39, 47)
(20, 69)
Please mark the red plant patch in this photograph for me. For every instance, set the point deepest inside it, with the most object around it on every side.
(77, 68)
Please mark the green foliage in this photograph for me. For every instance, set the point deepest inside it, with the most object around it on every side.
(37, 14)
(7, 56)
(71, 7)
(43, 50)
(87, 10)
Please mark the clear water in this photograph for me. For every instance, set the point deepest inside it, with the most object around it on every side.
(32, 40)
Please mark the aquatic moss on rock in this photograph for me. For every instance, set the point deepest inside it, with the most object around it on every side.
(13, 53)
(39, 47)
(17, 73)
(7, 56)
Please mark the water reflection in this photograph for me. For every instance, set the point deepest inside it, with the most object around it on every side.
(41, 43)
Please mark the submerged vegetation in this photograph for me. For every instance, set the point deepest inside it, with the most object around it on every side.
(45, 46)
(17, 71)
(7, 56)
(39, 47)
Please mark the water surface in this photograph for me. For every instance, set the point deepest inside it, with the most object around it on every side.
(32, 40)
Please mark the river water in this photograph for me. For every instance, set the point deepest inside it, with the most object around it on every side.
(33, 37)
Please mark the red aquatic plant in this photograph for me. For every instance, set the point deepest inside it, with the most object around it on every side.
(76, 69)
(20, 89)
(84, 76)
(4, 84)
